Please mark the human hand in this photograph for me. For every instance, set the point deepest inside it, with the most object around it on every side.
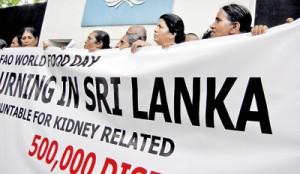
(137, 44)
(45, 45)
(258, 29)
(289, 20)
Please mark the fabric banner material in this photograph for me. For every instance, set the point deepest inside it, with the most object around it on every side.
(224, 105)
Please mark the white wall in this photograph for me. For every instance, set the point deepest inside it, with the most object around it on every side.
(62, 19)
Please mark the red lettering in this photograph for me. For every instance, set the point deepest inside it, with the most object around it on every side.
(152, 172)
(139, 170)
(111, 162)
(125, 167)
(111, 167)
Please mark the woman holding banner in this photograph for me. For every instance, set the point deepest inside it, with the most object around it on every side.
(29, 37)
(96, 40)
(169, 31)
(16, 42)
(234, 19)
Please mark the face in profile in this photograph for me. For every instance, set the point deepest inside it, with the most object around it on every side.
(222, 26)
(15, 43)
(162, 34)
(91, 42)
(123, 43)
(28, 40)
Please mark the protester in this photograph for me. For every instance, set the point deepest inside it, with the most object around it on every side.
(191, 37)
(127, 40)
(234, 19)
(169, 31)
(139, 30)
(2, 44)
(29, 37)
(231, 19)
(96, 40)
(16, 41)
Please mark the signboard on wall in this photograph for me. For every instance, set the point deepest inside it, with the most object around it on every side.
(124, 12)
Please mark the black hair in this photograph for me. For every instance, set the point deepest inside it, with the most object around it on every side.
(102, 36)
(19, 37)
(175, 25)
(240, 14)
(207, 34)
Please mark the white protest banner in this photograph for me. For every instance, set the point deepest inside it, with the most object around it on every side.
(224, 105)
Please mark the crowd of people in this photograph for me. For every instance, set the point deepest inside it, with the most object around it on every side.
(27, 38)
(230, 20)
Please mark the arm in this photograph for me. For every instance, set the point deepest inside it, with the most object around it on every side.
(137, 44)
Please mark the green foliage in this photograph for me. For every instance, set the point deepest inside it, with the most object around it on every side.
(10, 3)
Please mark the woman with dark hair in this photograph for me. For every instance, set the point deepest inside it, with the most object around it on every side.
(234, 19)
(16, 41)
(175, 26)
(231, 19)
(97, 40)
(29, 37)
(169, 31)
